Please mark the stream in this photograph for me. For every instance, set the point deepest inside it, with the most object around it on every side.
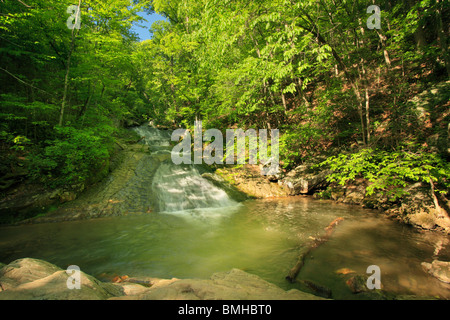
(198, 230)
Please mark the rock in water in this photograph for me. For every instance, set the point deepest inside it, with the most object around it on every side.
(357, 284)
(438, 269)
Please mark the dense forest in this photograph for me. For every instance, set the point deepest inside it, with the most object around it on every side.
(336, 77)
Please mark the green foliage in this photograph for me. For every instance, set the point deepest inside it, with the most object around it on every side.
(20, 142)
(389, 172)
(71, 159)
(104, 87)
(309, 68)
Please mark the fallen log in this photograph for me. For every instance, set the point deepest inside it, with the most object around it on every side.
(318, 290)
(316, 242)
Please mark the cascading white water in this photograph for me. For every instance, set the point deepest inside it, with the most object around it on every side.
(153, 136)
(180, 187)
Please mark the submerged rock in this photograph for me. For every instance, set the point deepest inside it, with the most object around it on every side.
(357, 284)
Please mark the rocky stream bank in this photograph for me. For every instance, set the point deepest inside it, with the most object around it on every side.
(32, 279)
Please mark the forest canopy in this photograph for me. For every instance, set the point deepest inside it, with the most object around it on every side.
(338, 80)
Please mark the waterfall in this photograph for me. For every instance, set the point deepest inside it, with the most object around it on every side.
(180, 187)
(153, 137)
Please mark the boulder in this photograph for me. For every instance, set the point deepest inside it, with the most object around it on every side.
(33, 279)
(357, 284)
(305, 180)
(355, 194)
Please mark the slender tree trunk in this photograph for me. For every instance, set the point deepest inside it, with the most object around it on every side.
(440, 211)
(283, 98)
(86, 103)
(442, 36)
(387, 59)
(361, 117)
(66, 79)
(66, 85)
(367, 115)
(313, 29)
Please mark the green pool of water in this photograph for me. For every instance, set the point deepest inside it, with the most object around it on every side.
(262, 237)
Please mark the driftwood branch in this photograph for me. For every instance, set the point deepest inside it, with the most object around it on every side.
(315, 243)
(440, 210)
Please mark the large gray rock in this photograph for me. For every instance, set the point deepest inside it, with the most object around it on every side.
(304, 180)
(32, 279)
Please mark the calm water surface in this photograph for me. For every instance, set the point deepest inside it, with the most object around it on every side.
(262, 237)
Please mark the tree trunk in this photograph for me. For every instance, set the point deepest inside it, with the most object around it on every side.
(441, 211)
(283, 98)
(313, 29)
(367, 115)
(387, 59)
(442, 36)
(314, 244)
(66, 79)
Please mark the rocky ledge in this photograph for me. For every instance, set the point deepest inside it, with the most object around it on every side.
(416, 207)
(33, 279)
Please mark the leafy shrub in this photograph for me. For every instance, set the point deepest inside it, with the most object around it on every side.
(389, 172)
(76, 156)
